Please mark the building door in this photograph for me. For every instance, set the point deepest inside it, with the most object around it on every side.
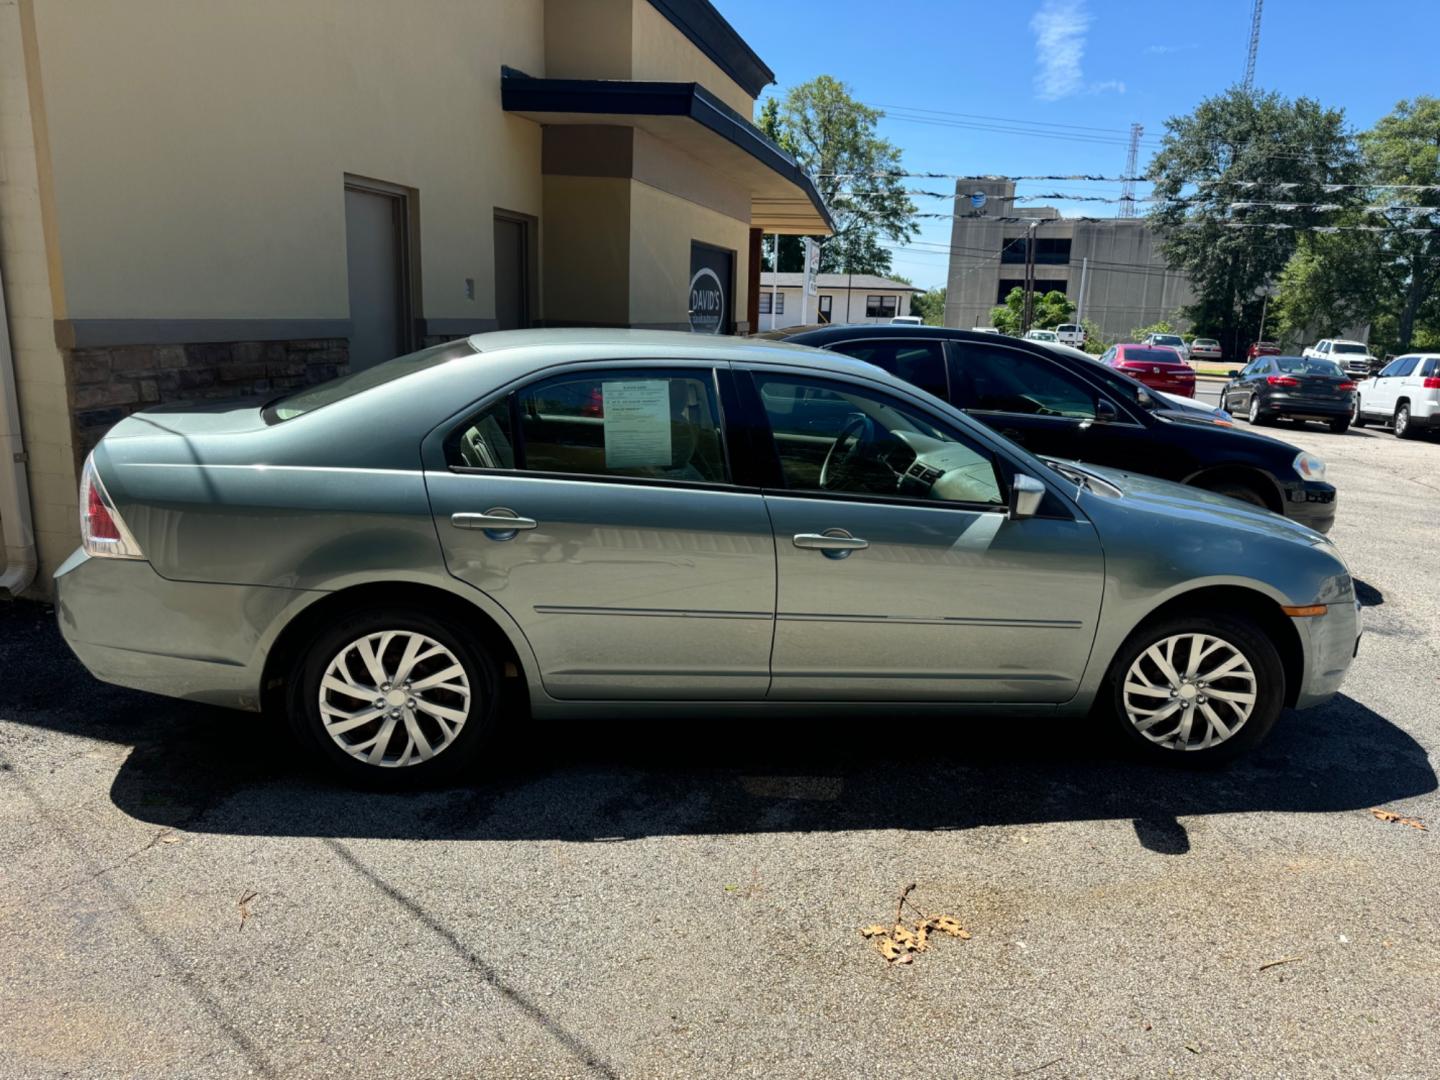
(512, 272)
(826, 300)
(376, 255)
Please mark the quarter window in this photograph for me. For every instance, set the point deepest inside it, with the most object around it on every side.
(880, 307)
(1010, 381)
(831, 437)
(920, 363)
(640, 424)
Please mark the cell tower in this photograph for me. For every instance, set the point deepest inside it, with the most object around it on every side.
(1132, 162)
(1249, 82)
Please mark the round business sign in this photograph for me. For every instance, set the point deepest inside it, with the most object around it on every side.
(977, 200)
(707, 302)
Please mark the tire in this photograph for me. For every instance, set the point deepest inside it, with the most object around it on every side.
(1357, 418)
(1238, 489)
(1404, 429)
(1256, 415)
(469, 696)
(1340, 426)
(1134, 666)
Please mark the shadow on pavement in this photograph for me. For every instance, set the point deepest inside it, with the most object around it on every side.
(212, 770)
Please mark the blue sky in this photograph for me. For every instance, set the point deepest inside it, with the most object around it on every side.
(1081, 63)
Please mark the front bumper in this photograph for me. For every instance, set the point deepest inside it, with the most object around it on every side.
(1329, 643)
(1312, 503)
(193, 640)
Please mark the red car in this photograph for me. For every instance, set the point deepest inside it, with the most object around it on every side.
(1157, 366)
(1262, 348)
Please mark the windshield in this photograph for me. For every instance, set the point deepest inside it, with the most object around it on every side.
(327, 393)
(1348, 347)
(1167, 339)
(1294, 365)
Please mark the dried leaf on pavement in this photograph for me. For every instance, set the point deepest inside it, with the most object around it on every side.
(899, 943)
(246, 899)
(1398, 819)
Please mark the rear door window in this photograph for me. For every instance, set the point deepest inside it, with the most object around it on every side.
(644, 423)
(920, 363)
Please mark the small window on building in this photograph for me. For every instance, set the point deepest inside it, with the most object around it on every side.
(765, 298)
(880, 307)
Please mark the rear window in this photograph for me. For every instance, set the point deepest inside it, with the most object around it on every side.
(1206, 342)
(327, 393)
(1151, 356)
(1295, 365)
(1349, 348)
(1168, 339)
(1066, 328)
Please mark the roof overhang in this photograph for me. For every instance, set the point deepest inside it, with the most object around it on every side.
(783, 198)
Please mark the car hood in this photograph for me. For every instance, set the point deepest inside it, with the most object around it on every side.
(1184, 503)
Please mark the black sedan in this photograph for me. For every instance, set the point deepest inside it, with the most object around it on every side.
(1271, 387)
(1060, 402)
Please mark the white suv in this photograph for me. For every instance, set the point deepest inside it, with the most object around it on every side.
(1353, 356)
(1406, 394)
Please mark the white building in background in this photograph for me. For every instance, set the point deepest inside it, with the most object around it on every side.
(841, 298)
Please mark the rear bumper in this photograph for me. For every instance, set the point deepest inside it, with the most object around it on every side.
(1329, 643)
(1283, 405)
(192, 640)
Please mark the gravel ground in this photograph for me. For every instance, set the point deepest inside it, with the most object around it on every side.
(684, 900)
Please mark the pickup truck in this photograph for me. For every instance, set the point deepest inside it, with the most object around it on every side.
(1353, 356)
(1072, 334)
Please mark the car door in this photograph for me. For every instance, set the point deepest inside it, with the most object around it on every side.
(1038, 403)
(1381, 400)
(635, 569)
(901, 574)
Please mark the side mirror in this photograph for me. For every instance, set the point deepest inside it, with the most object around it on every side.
(1026, 494)
(1105, 412)
(1232, 374)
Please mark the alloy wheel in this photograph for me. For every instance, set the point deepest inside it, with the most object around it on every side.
(1189, 691)
(394, 698)
(1402, 420)
(1254, 416)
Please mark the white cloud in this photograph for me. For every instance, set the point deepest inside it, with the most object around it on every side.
(1109, 86)
(1059, 27)
(1165, 50)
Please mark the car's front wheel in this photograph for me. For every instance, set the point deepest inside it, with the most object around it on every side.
(1357, 418)
(394, 698)
(1196, 689)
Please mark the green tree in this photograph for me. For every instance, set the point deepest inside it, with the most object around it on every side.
(1051, 309)
(1404, 148)
(833, 138)
(1140, 333)
(1095, 342)
(1332, 281)
(1245, 147)
(930, 306)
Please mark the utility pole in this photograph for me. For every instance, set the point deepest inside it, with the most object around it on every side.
(1132, 162)
(1249, 81)
(1084, 280)
(1029, 312)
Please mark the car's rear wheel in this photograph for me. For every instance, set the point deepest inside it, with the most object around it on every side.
(1256, 414)
(394, 698)
(1357, 418)
(1196, 689)
(1404, 429)
(1237, 489)
(1340, 425)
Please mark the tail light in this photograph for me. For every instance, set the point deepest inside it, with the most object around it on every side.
(1432, 384)
(102, 531)
(1282, 380)
(1351, 385)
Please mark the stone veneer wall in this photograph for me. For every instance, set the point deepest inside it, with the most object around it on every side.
(108, 384)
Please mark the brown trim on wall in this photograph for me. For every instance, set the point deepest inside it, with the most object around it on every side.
(99, 333)
(587, 150)
(752, 291)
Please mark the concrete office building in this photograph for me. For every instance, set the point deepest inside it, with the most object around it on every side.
(1127, 283)
(210, 199)
(839, 298)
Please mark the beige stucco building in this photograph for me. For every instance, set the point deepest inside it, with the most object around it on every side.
(211, 199)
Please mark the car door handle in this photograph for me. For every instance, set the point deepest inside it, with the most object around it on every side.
(495, 521)
(833, 543)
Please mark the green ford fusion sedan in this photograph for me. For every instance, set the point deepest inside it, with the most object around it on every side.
(616, 523)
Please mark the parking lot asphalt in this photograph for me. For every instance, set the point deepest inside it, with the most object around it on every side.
(684, 898)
